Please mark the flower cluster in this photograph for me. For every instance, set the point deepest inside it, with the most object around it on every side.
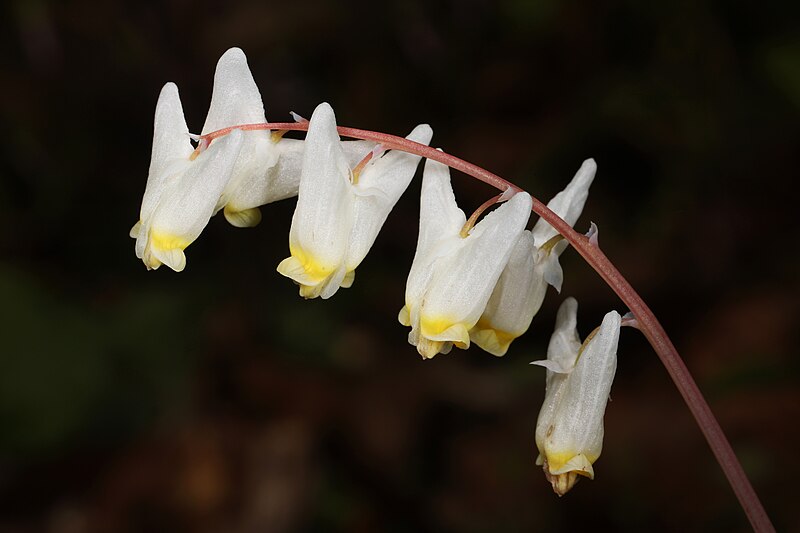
(469, 282)
(237, 173)
(487, 284)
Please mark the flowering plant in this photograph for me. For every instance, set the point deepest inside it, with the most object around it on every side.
(470, 281)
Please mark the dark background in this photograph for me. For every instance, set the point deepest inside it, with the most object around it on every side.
(218, 400)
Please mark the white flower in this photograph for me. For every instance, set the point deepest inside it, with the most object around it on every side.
(533, 265)
(268, 167)
(452, 276)
(181, 193)
(257, 177)
(339, 213)
(568, 204)
(569, 432)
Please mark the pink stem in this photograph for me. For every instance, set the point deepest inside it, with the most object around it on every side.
(647, 321)
(470, 223)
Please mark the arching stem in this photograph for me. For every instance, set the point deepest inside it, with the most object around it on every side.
(646, 320)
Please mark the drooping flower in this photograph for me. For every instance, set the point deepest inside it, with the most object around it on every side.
(269, 164)
(340, 212)
(533, 265)
(257, 177)
(181, 192)
(452, 276)
(569, 431)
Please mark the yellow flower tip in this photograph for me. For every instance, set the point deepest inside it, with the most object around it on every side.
(314, 278)
(563, 462)
(167, 241)
(173, 258)
(437, 334)
(494, 341)
(304, 268)
(433, 325)
(242, 218)
(166, 248)
(444, 329)
(564, 474)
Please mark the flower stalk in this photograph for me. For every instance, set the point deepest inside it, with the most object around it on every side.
(470, 223)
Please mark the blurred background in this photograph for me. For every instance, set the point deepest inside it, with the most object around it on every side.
(218, 400)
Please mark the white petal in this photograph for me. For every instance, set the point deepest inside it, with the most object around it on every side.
(562, 353)
(141, 238)
(568, 204)
(440, 217)
(392, 172)
(267, 183)
(379, 187)
(235, 99)
(548, 268)
(565, 341)
(243, 218)
(171, 147)
(256, 159)
(172, 257)
(578, 424)
(135, 230)
(461, 289)
(185, 210)
(440, 223)
(355, 151)
(553, 366)
(285, 176)
(557, 377)
(282, 180)
(515, 300)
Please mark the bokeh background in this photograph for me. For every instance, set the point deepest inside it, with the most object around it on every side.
(218, 400)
